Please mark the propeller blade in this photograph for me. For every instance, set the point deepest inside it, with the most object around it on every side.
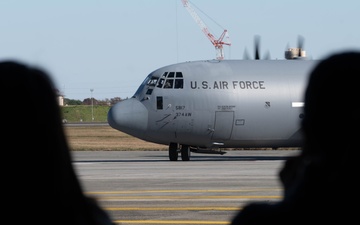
(246, 55)
(267, 55)
(257, 47)
(300, 43)
(287, 46)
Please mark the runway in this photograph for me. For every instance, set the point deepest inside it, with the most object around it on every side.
(144, 187)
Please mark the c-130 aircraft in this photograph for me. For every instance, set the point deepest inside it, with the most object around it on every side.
(209, 105)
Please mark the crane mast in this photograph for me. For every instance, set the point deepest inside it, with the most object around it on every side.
(218, 43)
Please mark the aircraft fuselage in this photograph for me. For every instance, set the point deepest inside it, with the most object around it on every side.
(225, 104)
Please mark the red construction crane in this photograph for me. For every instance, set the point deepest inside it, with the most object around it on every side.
(218, 43)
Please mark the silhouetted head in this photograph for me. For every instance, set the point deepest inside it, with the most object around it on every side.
(36, 145)
(331, 105)
(30, 106)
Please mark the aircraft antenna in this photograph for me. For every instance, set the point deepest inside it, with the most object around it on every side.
(218, 43)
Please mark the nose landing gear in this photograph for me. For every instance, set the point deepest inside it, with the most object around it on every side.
(174, 149)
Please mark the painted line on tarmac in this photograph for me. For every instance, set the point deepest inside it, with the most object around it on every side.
(218, 208)
(169, 222)
(179, 191)
(160, 197)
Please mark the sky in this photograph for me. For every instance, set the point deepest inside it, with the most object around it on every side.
(110, 46)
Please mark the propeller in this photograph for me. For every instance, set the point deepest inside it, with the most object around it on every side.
(257, 47)
(267, 55)
(256, 50)
(300, 45)
(246, 54)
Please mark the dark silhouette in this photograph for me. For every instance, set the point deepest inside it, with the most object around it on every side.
(321, 183)
(40, 182)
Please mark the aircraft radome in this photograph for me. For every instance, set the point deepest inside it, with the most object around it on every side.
(206, 106)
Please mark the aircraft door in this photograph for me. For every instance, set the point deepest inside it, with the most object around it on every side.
(223, 126)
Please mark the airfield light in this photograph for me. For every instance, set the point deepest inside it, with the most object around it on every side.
(92, 104)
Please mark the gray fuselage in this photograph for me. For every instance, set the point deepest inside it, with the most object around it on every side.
(227, 103)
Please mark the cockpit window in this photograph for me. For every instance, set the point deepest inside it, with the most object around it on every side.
(169, 83)
(149, 91)
(179, 83)
(143, 84)
(152, 81)
(170, 80)
(161, 83)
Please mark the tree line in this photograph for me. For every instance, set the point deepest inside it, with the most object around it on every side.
(90, 101)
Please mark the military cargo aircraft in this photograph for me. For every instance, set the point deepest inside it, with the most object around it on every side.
(206, 106)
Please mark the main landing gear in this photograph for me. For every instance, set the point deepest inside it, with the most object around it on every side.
(175, 148)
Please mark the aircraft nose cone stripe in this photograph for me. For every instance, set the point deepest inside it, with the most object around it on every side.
(129, 116)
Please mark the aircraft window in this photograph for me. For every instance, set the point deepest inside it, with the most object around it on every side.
(141, 87)
(164, 75)
(147, 80)
(152, 81)
(161, 82)
(159, 102)
(179, 74)
(149, 91)
(171, 74)
(169, 83)
(179, 83)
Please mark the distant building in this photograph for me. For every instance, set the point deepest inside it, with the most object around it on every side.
(60, 97)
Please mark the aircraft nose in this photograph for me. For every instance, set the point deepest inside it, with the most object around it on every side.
(129, 116)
